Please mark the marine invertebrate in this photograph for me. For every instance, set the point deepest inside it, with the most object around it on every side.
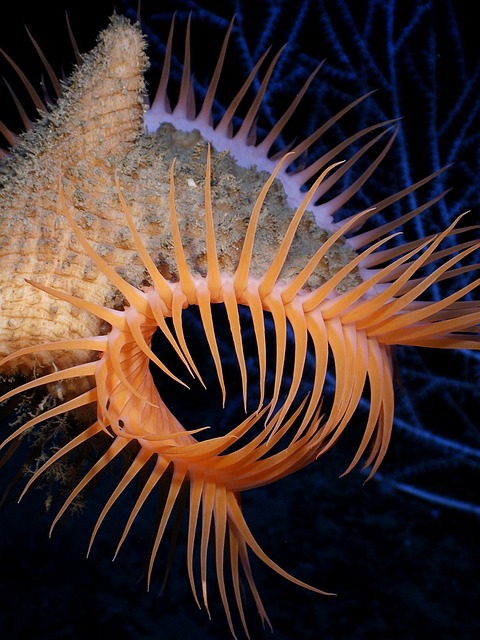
(365, 301)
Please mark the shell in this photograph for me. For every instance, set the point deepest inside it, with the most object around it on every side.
(94, 132)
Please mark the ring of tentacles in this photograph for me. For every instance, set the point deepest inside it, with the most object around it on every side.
(357, 330)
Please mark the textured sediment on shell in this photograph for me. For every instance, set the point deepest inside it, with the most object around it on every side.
(145, 181)
(95, 131)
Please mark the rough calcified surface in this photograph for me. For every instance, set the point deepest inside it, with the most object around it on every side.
(95, 130)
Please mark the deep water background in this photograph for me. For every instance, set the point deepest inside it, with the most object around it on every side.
(403, 567)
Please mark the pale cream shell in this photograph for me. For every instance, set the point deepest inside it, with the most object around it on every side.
(95, 131)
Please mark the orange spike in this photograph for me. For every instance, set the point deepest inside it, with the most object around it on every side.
(277, 129)
(270, 277)
(76, 51)
(157, 472)
(27, 123)
(231, 307)
(243, 552)
(48, 68)
(80, 401)
(187, 282)
(141, 459)
(208, 497)
(175, 486)
(274, 304)
(225, 123)
(397, 223)
(158, 280)
(214, 279)
(248, 120)
(204, 305)
(134, 324)
(307, 144)
(113, 317)
(410, 320)
(293, 288)
(233, 548)
(352, 377)
(402, 302)
(196, 490)
(133, 295)
(185, 84)
(9, 136)
(220, 518)
(206, 110)
(90, 432)
(97, 343)
(158, 314)
(115, 448)
(362, 239)
(161, 93)
(304, 175)
(178, 303)
(323, 291)
(77, 371)
(252, 300)
(345, 195)
(318, 333)
(296, 317)
(37, 101)
(240, 278)
(242, 527)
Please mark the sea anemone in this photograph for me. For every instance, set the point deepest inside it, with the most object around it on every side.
(152, 224)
